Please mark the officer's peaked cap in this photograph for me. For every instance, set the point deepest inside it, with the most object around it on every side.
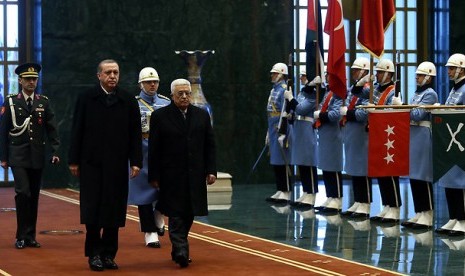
(28, 70)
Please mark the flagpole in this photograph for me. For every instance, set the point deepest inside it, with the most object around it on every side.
(371, 79)
(317, 71)
(317, 51)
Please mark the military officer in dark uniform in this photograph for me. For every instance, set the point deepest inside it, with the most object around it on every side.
(27, 122)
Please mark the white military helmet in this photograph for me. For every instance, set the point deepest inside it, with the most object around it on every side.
(456, 60)
(148, 74)
(280, 68)
(426, 68)
(303, 73)
(361, 63)
(385, 65)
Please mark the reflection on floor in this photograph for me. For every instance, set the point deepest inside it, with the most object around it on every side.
(390, 247)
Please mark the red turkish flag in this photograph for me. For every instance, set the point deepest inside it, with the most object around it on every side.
(374, 20)
(388, 143)
(334, 27)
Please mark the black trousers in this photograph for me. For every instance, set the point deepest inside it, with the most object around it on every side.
(309, 179)
(456, 203)
(27, 189)
(283, 182)
(179, 228)
(147, 218)
(389, 189)
(362, 186)
(101, 241)
(422, 194)
(333, 184)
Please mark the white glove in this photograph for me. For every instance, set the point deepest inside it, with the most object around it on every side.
(267, 139)
(343, 110)
(437, 104)
(281, 140)
(316, 114)
(288, 95)
(316, 81)
(363, 81)
(396, 101)
(370, 104)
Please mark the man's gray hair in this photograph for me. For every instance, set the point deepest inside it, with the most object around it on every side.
(179, 82)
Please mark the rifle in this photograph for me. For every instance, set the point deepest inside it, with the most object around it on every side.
(282, 124)
(398, 66)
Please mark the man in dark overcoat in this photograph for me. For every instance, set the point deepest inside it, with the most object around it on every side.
(106, 135)
(28, 122)
(181, 163)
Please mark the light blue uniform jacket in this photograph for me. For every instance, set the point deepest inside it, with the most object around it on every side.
(278, 156)
(355, 137)
(421, 152)
(140, 191)
(330, 138)
(303, 142)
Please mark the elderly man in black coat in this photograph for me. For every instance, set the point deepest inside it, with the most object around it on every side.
(181, 163)
(106, 135)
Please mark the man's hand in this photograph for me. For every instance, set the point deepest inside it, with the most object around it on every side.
(316, 114)
(74, 169)
(343, 110)
(316, 81)
(154, 184)
(281, 140)
(396, 101)
(55, 160)
(211, 178)
(288, 95)
(134, 171)
(363, 81)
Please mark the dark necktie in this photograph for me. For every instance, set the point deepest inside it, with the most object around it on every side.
(29, 104)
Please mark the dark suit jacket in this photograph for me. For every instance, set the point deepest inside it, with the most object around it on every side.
(28, 149)
(181, 155)
(105, 138)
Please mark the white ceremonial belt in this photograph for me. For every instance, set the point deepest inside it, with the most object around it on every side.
(421, 123)
(304, 118)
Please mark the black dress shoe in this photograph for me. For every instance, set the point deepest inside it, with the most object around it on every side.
(32, 243)
(328, 211)
(182, 260)
(453, 233)
(417, 226)
(442, 231)
(376, 218)
(95, 263)
(161, 231)
(346, 213)
(20, 244)
(407, 224)
(389, 220)
(109, 263)
(359, 216)
(154, 244)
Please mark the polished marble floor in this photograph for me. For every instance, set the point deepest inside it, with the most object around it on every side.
(393, 247)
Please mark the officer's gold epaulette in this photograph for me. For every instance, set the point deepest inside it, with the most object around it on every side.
(283, 85)
(12, 95)
(43, 96)
(164, 97)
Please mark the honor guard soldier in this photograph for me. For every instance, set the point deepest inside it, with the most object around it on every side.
(384, 94)
(274, 139)
(453, 183)
(355, 137)
(28, 121)
(141, 193)
(421, 148)
(330, 151)
(303, 141)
